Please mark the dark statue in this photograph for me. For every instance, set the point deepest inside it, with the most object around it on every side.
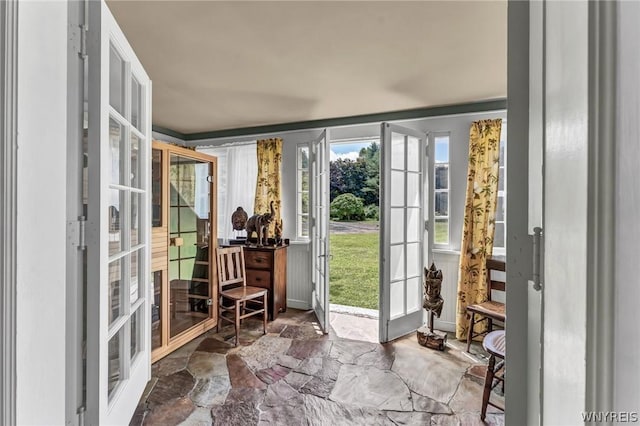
(239, 219)
(259, 223)
(433, 304)
(432, 285)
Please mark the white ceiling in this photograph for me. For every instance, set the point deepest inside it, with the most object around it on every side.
(224, 65)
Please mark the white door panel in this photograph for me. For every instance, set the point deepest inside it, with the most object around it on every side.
(402, 233)
(320, 228)
(118, 250)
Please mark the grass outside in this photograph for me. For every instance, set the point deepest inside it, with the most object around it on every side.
(353, 270)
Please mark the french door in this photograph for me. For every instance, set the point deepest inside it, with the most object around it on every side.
(320, 227)
(402, 230)
(118, 225)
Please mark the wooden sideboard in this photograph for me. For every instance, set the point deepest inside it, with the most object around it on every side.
(266, 267)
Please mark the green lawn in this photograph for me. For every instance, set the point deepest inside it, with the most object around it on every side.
(354, 270)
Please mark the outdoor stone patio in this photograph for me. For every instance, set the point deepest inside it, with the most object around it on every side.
(295, 375)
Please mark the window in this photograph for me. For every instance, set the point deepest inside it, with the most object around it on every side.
(237, 174)
(441, 179)
(302, 198)
(499, 238)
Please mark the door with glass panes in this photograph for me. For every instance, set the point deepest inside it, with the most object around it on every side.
(118, 152)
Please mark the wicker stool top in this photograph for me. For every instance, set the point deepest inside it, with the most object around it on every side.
(495, 344)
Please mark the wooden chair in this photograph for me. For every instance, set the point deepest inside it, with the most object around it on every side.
(494, 343)
(489, 310)
(234, 292)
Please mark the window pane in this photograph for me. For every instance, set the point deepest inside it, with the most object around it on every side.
(303, 177)
(156, 303)
(397, 188)
(115, 289)
(136, 216)
(414, 295)
(397, 262)
(442, 149)
(498, 238)
(136, 284)
(116, 81)
(136, 104)
(442, 231)
(115, 360)
(500, 209)
(442, 176)
(117, 151)
(397, 299)
(116, 234)
(304, 197)
(397, 225)
(397, 151)
(136, 332)
(414, 228)
(413, 260)
(305, 226)
(442, 204)
(413, 189)
(135, 162)
(413, 154)
(303, 158)
(501, 177)
(156, 187)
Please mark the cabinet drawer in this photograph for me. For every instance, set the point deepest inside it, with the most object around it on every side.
(259, 278)
(258, 259)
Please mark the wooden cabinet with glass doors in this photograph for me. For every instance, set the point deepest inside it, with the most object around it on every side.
(183, 243)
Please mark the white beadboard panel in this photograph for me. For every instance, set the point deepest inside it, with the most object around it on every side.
(449, 263)
(299, 275)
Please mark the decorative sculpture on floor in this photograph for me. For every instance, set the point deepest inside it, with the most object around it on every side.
(433, 302)
(259, 223)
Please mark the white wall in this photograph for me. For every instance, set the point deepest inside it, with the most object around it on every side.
(627, 344)
(41, 228)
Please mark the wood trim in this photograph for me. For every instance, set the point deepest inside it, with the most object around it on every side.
(160, 261)
(8, 207)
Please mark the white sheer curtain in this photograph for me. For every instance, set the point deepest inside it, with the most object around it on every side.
(237, 174)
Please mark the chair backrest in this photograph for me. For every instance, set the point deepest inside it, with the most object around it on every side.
(231, 267)
(492, 283)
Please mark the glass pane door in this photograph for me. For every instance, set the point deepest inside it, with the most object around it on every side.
(402, 231)
(320, 228)
(118, 278)
(189, 235)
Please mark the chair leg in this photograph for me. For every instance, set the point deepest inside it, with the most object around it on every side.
(470, 334)
(264, 314)
(237, 322)
(488, 383)
(490, 325)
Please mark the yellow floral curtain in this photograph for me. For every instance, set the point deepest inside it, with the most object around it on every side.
(268, 188)
(479, 219)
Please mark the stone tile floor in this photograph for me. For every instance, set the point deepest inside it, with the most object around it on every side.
(295, 375)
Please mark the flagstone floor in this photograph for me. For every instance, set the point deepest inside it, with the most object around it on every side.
(295, 375)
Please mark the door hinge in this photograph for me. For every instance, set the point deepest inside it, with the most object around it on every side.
(76, 233)
(537, 258)
(209, 302)
(80, 413)
(83, 41)
(426, 225)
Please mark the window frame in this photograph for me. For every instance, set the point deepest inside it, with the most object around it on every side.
(442, 245)
(502, 193)
(300, 215)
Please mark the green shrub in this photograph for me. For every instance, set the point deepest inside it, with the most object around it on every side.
(347, 207)
(372, 212)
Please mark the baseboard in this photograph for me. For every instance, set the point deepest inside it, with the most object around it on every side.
(298, 304)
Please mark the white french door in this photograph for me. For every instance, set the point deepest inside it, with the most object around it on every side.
(320, 227)
(402, 230)
(118, 226)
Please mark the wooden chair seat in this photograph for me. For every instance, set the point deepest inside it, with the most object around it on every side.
(244, 293)
(495, 310)
(233, 299)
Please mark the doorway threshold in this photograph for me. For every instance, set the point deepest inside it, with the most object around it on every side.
(354, 310)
